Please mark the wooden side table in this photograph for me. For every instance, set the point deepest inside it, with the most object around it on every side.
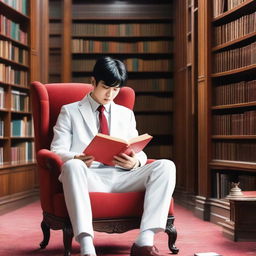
(242, 223)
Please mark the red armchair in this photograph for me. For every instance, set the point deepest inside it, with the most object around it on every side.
(109, 213)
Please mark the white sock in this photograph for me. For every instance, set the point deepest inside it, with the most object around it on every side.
(86, 244)
(145, 238)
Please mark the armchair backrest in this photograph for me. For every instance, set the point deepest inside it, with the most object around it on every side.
(47, 100)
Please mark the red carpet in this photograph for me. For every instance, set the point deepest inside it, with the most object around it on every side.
(20, 235)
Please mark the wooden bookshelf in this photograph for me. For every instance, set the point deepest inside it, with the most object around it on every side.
(185, 100)
(230, 130)
(55, 40)
(17, 52)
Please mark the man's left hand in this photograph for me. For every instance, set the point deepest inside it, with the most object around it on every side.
(126, 161)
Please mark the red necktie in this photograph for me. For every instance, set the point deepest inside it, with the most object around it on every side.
(103, 120)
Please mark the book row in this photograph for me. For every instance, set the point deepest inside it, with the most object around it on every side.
(153, 103)
(151, 85)
(19, 101)
(234, 151)
(19, 5)
(55, 64)
(141, 65)
(55, 9)
(13, 30)
(82, 10)
(22, 127)
(154, 124)
(223, 183)
(1, 128)
(241, 92)
(235, 124)
(2, 98)
(13, 76)
(93, 46)
(221, 6)
(125, 30)
(132, 64)
(13, 53)
(139, 85)
(1, 155)
(23, 151)
(235, 58)
(55, 28)
(235, 29)
(55, 42)
(19, 128)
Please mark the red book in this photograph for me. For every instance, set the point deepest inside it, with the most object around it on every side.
(104, 147)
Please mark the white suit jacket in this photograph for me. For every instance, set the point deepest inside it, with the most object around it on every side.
(76, 127)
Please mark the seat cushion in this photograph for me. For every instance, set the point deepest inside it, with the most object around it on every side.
(108, 205)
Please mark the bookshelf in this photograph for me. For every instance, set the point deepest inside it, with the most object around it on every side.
(55, 40)
(233, 105)
(17, 164)
(140, 34)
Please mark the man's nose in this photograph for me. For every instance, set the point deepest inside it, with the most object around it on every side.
(109, 93)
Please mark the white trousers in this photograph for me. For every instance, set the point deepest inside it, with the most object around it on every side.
(157, 179)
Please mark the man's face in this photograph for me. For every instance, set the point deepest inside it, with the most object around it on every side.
(104, 94)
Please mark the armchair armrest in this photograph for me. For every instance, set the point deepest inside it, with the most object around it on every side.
(49, 160)
(150, 161)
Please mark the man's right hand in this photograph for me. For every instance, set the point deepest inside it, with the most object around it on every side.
(86, 159)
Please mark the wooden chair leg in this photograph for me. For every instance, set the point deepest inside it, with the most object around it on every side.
(67, 239)
(46, 233)
(172, 235)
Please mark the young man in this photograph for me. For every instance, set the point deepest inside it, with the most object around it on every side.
(76, 126)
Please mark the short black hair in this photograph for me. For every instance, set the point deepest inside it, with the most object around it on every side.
(111, 71)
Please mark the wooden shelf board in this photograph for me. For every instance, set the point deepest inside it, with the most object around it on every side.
(16, 15)
(20, 87)
(14, 85)
(55, 20)
(4, 138)
(13, 63)
(55, 35)
(22, 138)
(126, 18)
(130, 72)
(157, 37)
(4, 110)
(235, 11)
(233, 42)
(152, 91)
(15, 164)
(21, 112)
(234, 137)
(165, 54)
(153, 111)
(235, 71)
(237, 105)
(4, 37)
(233, 165)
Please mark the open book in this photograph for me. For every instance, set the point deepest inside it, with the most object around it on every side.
(104, 147)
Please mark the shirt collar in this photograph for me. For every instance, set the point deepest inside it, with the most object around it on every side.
(95, 104)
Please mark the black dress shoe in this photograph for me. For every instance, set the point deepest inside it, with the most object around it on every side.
(144, 251)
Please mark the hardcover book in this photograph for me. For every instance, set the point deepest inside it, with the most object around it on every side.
(104, 147)
(207, 254)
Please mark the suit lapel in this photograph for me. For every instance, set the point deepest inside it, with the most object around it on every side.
(85, 109)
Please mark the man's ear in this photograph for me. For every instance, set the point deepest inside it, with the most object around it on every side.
(93, 81)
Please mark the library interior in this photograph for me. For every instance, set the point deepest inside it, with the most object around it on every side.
(192, 66)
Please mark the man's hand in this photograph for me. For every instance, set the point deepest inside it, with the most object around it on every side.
(126, 161)
(86, 159)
